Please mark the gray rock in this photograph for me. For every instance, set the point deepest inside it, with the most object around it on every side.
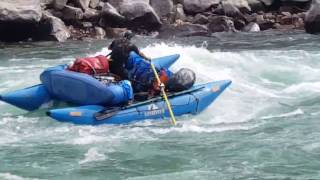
(200, 19)
(99, 33)
(252, 27)
(87, 24)
(111, 17)
(239, 24)
(268, 2)
(221, 24)
(286, 13)
(286, 20)
(46, 3)
(20, 10)
(267, 24)
(91, 15)
(115, 32)
(312, 19)
(115, 3)
(179, 13)
(182, 30)
(260, 19)
(196, 6)
(83, 4)
(94, 3)
(230, 10)
(162, 7)
(241, 5)
(140, 14)
(100, 5)
(72, 13)
(57, 29)
(297, 3)
(256, 5)
(59, 4)
(177, 1)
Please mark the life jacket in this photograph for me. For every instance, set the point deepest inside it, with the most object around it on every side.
(141, 74)
(91, 65)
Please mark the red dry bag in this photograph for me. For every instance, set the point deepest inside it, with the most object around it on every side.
(91, 65)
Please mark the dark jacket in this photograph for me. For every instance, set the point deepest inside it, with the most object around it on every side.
(120, 53)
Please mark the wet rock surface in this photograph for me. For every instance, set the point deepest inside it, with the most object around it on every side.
(78, 19)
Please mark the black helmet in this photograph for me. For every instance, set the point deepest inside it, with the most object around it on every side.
(128, 35)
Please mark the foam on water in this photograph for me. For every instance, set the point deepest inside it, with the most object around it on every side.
(293, 113)
(261, 79)
(92, 155)
(252, 86)
(9, 176)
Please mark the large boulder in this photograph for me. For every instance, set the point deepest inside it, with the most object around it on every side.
(94, 3)
(19, 19)
(111, 17)
(162, 7)
(268, 2)
(20, 10)
(59, 4)
(256, 5)
(179, 13)
(200, 19)
(92, 15)
(221, 24)
(251, 27)
(196, 6)
(242, 5)
(182, 30)
(46, 3)
(83, 4)
(115, 32)
(312, 19)
(295, 2)
(54, 28)
(72, 14)
(140, 14)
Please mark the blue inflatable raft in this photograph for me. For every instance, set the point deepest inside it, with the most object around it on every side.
(191, 101)
(59, 85)
(98, 103)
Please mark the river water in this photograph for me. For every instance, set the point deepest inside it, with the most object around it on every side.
(264, 126)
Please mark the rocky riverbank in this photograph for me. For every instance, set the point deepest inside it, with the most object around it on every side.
(60, 20)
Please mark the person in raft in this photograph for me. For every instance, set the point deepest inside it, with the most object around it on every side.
(128, 62)
(120, 49)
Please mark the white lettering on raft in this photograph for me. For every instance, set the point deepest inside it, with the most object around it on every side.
(153, 110)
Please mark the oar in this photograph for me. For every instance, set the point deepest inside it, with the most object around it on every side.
(164, 95)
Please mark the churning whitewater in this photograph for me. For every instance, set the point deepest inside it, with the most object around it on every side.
(264, 126)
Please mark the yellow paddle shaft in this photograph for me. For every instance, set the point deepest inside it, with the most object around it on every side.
(164, 95)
